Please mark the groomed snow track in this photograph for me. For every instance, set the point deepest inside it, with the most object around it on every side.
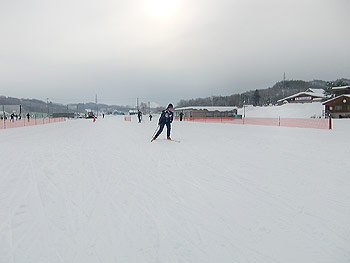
(101, 192)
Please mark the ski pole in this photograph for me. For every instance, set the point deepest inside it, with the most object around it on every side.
(155, 131)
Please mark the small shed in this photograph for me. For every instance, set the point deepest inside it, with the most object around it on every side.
(133, 112)
(63, 115)
(338, 107)
(206, 111)
(310, 95)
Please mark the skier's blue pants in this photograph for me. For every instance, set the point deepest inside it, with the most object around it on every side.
(161, 127)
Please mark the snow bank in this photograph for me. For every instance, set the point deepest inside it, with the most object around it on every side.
(290, 110)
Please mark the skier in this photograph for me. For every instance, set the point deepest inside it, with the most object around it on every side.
(28, 116)
(166, 118)
(150, 117)
(139, 116)
(181, 116)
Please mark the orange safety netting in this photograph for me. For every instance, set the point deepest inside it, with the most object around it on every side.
(7, 123)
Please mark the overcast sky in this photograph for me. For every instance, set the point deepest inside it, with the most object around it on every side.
(165, 50)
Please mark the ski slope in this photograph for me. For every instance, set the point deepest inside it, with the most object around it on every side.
(101, 192)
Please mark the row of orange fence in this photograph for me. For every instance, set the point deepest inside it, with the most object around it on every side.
(320, 123)
(7, 123)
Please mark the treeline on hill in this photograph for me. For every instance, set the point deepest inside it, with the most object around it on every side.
(39, 106)
(261, 97)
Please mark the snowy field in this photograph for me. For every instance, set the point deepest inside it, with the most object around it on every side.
(101, 192)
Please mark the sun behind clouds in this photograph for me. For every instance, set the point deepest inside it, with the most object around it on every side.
(162, 9)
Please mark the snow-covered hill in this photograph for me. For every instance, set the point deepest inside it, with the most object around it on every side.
(81, 192)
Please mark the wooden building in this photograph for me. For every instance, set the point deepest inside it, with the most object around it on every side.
(337, 91)
(206, 111)
(310, 95)
(338, 107)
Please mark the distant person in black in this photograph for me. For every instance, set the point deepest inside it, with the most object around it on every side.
(139, 116)
(166, 118)
(103, 115)
(28, 116)
(181, 115)
(150, 117)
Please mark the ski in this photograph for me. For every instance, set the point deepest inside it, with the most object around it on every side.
(166, 140)
(173, 140)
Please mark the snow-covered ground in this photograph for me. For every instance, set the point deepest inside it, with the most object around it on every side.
(290, 110)
(86, 192)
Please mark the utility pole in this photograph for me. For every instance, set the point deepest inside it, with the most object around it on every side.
(284, 80)
(48, 109)
(4, 117)
(96, 105)
(137, 103)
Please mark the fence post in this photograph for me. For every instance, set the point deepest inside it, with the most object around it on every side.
(279, 120)
(330, 123)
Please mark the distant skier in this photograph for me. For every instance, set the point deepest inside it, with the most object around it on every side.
(166, 118)
(181, 115)
(28, 116)
(150, 117)
(103, 115)
(139, 116)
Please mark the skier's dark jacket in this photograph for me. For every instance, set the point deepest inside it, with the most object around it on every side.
(167, 116)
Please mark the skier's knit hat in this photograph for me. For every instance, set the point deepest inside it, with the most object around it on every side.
(170, 106)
